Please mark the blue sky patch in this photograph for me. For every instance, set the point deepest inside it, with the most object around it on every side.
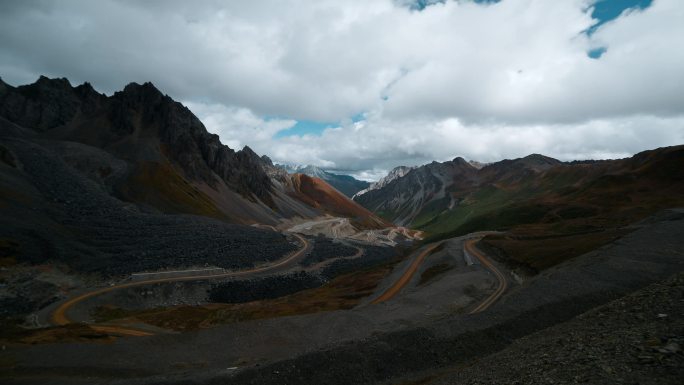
(420, 5)
(305, 127)
(358, 117)
(596, 52)
(311, 127)
(607, 10)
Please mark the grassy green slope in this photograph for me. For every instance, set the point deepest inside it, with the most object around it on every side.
(566, 211)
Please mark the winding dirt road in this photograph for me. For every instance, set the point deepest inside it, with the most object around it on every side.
(60, 317)
(503, 283)
(469, 245)
(406, 277)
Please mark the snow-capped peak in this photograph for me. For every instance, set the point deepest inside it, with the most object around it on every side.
(395, 173)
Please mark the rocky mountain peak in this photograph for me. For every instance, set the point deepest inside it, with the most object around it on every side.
(51, 103)
(249, 152)
(541, 159)
(57, 83)
(394, 174)
(476, 164)
(43, 105)
(314, 171)
(140, 94)
(86, 90)
(266, 160)
(460, 162)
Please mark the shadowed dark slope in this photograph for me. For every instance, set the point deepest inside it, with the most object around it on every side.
(139, 125)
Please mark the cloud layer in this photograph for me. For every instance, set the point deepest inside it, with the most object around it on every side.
(484, 81)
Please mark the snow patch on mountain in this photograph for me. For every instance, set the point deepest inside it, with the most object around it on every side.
(395, 173)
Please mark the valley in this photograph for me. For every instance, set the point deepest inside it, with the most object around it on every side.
(437, 314)
(137, 248)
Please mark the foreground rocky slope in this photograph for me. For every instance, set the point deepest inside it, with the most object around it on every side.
(651, 254)
(638, 339)
(321, 348)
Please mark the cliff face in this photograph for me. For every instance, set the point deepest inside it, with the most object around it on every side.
(47, 103)
(137, 124)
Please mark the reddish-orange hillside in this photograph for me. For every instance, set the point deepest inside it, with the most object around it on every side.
(317, 193)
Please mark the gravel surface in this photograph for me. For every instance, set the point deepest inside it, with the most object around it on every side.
(274, 286)
(325, 249)
(263, 288)
(645, 256)
(75, 222)
(383, 343)
(372, 256)
(638, 339)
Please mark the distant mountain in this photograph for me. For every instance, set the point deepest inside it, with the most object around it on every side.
(395, 173)
(320, 195)
(445, 197)
(531, 197)
(415, 196)
(407, 196)
(345, 184)
(476, 164)
(84, 174)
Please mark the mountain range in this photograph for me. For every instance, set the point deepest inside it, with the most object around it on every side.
(550, 210)
(81, 171)
(122, 217)
(72, 157)
(395, 173)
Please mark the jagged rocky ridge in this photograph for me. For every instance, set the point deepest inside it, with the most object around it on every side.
(405, 192)
(395, 173)
(439, 197)
(133, 181)
(136, 115)
(158, 152)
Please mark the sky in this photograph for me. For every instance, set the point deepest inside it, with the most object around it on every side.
(360, 86)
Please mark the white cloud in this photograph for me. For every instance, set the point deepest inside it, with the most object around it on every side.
(238, 127)
(371, 147)
(481, 81)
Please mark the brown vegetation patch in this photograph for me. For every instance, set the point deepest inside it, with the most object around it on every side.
(567, 210)
(160, 186)
(318, 194)
(12, 332)
(433, 271)
(541, 252)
